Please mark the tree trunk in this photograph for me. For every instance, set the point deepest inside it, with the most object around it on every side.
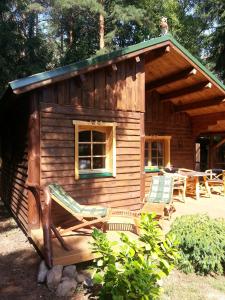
(101, 29)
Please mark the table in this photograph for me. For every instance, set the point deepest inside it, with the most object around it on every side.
(196, 176)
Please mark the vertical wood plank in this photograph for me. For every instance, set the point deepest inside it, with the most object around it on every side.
(75, 91)
(121, 86)
(130, 85)
(99, 94)
(140, 85)
(111, 94)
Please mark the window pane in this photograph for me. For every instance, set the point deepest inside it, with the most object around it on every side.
(85, 136)
(154, 162)
(160, 162)
(98, 149)
(154, 145)
(160, 148)
(84, 149)
(84, 163)
(146, 162)
(146, 153)
(99, 136)
(98, 162)
(154, 153)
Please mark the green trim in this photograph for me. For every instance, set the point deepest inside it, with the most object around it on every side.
(147, 170)
(17, 84)
(95, 175)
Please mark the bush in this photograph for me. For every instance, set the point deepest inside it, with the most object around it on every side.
(131, 269)
(201, 243)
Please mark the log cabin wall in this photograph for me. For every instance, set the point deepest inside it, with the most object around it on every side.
(15, 161)
(160, 119)
(102, 95)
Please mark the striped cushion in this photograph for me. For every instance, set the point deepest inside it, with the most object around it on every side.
(161, 189)
(58, 192)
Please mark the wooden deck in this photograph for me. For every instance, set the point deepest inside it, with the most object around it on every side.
(79, 242)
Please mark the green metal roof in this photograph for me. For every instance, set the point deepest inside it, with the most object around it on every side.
(20, 83)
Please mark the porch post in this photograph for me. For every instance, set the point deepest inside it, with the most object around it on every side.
(33, 163)
(211, 152)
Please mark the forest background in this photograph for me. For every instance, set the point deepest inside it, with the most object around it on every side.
(39, 35)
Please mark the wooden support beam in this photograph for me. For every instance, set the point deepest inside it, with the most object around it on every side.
(171, 78)
(34, 163)
(137, 58)
(82, 78)
(219, 144)
(156, 54)
(185, 91)
(199, 104)
(114, 67)
(219, 126)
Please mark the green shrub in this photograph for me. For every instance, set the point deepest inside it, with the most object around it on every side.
(201, 243)
(131, 269)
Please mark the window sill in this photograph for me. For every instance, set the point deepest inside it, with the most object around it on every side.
(155, 170)
(95, 175)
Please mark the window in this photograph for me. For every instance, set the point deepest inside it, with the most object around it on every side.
(95, 149)
(157, 151)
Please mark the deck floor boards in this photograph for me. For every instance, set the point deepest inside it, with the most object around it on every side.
(79, 243)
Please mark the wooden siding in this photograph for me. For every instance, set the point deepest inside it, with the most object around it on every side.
(15, 162)
(103, 89)
(57, 157)
(160, 119)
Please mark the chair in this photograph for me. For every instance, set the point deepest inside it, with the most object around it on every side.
(87, 215)
(160, 197)
(216, 178)
(179, 183)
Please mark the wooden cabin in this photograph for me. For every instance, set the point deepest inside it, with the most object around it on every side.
(103, 126)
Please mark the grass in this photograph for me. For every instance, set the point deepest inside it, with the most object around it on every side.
(192, 287)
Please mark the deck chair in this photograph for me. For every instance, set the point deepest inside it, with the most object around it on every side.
(216, 179)
(87, 215)
(179, 183)
(160, 197)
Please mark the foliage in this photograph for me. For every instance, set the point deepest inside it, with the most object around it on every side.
(131, 269)
(201, 243)
(37, 35)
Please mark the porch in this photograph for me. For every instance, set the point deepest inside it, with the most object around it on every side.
(80, 241)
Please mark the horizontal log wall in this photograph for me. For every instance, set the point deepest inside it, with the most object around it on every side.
(57, 157)
(15, 162)
(160, 119)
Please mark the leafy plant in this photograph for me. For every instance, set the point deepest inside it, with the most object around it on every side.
(201, 243)
(132, 268)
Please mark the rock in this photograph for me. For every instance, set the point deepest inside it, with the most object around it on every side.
(66, 288)
(42, 272)
(54, 277)
(70, 271)
(80, 277)
(88, 282)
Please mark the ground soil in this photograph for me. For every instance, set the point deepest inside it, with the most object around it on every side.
(18, 263)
